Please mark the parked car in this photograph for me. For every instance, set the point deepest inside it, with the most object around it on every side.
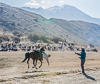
(14, 48)
(3, 49)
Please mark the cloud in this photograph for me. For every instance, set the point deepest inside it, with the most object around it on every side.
(42, 1)
(61, 1)
(43, 7)
(32, 3)
(48, 2)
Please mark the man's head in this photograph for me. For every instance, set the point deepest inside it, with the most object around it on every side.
(82, 49)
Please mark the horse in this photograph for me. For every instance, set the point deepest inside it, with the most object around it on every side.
(45, 56)
(35, 57)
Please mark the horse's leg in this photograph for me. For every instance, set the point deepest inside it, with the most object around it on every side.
(28, 62)
(47, 61)
(33, 64)
(41, 63)
(36, 64)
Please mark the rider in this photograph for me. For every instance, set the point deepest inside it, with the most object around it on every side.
(41, 53)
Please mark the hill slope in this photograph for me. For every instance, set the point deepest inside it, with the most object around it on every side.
(17, 19)
(12, 19)
(87, 32)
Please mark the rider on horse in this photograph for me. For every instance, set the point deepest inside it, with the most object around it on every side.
(40, 53)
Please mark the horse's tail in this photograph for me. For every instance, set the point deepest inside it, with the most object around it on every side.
(26, 56)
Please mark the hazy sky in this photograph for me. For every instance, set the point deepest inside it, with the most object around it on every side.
(90, 7)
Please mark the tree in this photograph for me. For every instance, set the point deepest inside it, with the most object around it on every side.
(56, 39)
(34, 37)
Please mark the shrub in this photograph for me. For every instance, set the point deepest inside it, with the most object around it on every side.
(34, 37)
(57, 39)
(43, 38)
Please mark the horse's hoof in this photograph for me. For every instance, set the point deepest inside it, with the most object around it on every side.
(36, 68)
(32, 67)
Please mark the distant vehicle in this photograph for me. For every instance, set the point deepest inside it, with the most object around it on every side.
(23, 48)
(95, 50)
(3, 49)
(14, 48)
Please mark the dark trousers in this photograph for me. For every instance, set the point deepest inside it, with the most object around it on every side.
(82, 65)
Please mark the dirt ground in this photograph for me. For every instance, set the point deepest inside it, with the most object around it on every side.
(64, 68)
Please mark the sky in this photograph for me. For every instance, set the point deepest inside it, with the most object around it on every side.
(90, 7)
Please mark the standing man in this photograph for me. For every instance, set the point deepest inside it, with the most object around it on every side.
(82, 57)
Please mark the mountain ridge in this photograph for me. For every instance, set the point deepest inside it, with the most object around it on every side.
(65, 12)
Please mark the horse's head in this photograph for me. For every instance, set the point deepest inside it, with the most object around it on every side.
(49, 55)
(42, 49)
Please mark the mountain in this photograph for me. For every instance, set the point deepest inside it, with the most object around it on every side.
(65, 12)
(12, 19)
(86, 32)
(16, 19)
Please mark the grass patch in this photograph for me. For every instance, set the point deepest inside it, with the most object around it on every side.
(2, 80)
(58, 73)
(45, 81)
(33, 71)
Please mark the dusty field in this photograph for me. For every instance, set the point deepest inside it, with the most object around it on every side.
(64, 69)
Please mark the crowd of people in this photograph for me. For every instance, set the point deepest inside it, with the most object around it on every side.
(61, 46)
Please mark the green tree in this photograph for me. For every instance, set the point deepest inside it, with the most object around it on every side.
(34, 37)
(44, 38)
(56, 39)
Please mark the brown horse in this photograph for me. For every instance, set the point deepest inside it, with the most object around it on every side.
(35, 56)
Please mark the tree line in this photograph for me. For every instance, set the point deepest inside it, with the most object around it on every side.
(43, 38)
